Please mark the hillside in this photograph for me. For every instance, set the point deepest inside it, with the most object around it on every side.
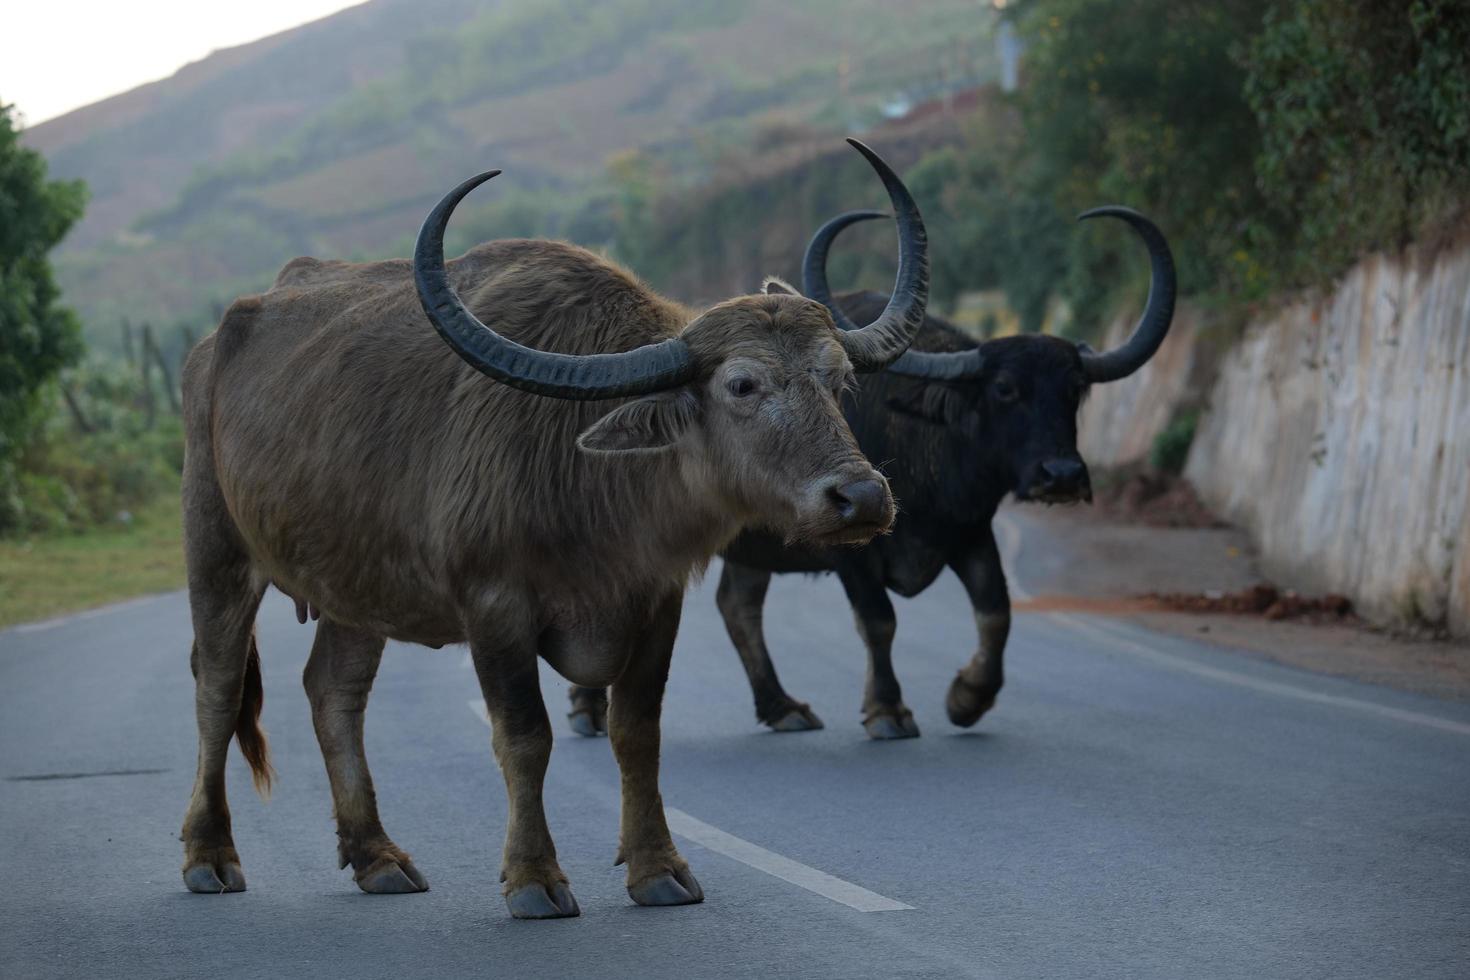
(700, 242)
(335, 137)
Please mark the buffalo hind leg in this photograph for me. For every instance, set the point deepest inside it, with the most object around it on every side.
(741, 597)
(338, 678)
(535, 887)
(227, 697)
(885, 715)
(657, 873)
(589, 710)
(974, 690)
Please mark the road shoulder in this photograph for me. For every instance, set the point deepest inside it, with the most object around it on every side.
(1069, 560)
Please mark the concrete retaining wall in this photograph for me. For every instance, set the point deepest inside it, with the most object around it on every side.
(1336, 431)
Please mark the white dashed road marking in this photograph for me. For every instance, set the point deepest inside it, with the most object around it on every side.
(757, 857)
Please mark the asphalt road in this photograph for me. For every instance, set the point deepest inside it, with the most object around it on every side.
(1136, 806)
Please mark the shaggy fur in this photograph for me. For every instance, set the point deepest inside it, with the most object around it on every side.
(338, 449)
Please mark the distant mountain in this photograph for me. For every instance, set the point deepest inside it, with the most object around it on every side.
(335, 137)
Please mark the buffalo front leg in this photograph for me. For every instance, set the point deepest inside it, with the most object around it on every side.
(657, 874)
(534, 885)
(338, 678)
(741, 598)
(975, 688)
(885, 715)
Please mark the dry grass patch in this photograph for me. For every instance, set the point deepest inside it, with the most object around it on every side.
(45, 577)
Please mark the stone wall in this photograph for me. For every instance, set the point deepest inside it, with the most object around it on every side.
(1119, 421)
(1336, 431)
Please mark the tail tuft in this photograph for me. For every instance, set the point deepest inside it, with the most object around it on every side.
(248, 733)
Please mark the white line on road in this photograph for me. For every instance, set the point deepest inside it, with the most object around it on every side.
(757, 857)
(1258, 684)
(804, 876)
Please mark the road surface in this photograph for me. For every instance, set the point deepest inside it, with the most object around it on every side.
(1135, 806)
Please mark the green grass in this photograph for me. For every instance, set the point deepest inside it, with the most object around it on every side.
(48, 576)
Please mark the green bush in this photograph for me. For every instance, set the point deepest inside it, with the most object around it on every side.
(38, 336)
(70, 480)
(1140, 103)
(1364, 111)
(1274, 141)
(1170, 450)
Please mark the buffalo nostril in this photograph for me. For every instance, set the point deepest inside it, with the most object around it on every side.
(1064, 472)
(840, 502)
(860, 502)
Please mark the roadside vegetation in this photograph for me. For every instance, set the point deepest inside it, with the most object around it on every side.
(91, 447)
(46, 575)
(1275, 141)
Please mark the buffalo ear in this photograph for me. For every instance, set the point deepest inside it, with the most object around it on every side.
(774, 286)
(931, 401)
(644, 425)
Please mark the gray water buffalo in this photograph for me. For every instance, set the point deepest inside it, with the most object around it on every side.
(957, 426)
(338, 448)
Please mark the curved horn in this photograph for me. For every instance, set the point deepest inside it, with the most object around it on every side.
(814, 263)
(654, 367)
(1153, 325)
(874, 347)
(933, 365)
(953, 365)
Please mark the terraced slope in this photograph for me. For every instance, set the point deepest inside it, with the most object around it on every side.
(333, 138)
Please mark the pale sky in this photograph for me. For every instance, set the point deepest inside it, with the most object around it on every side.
(56, 55)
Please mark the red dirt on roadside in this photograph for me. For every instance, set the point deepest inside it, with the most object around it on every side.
(1259, 600)
(1096, 605)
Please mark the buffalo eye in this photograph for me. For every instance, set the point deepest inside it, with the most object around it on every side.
(741, 387)
(1005, 390)
(837, 382)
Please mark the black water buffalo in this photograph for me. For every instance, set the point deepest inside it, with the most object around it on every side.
(956, 426)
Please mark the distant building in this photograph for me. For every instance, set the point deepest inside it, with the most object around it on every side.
(897, 107)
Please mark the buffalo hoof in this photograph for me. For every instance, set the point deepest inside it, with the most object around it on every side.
(589, 711)
(588, 723)
(891, 723)
(207, 879)
(670, 888)
(965, 705)
(795, 717)
(389, 877)
(533, 901)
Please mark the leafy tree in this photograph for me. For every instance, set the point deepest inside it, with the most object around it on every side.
(1141, 104)
(1274, 140)
(1138, 103)
(990, 227)
(37, 337)
(1364, 109)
